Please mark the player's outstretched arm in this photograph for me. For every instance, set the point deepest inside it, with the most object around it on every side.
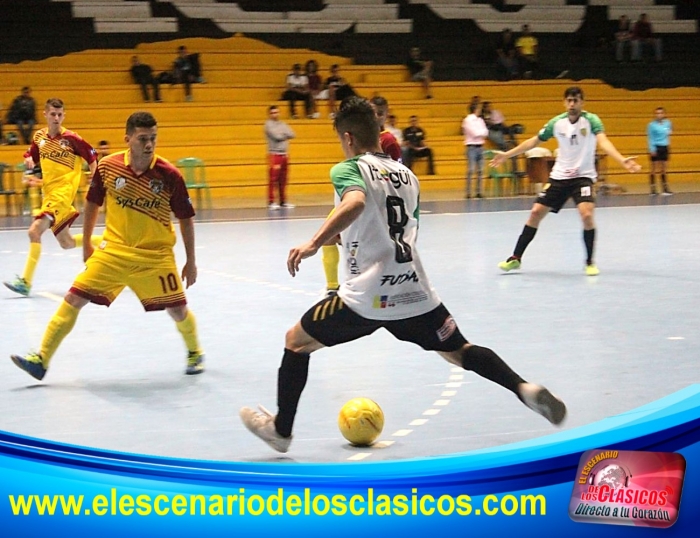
(189, 271)
(89, 221)
(607, 146)
(351, 206)
(527, 145)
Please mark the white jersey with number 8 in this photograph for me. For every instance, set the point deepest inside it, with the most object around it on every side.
(385, 277)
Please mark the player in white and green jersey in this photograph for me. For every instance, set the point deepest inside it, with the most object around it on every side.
(376, 213)
(578, 134)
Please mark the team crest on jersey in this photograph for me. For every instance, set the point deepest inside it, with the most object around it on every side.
(64, 143)
(120, 183)
(42, 142)
(584, 131)
(156, 186)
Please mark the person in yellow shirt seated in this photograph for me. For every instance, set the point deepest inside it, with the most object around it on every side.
(526, 47)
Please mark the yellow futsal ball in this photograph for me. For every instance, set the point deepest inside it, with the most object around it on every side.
(361, 421)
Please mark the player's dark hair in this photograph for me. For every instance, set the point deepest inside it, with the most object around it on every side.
(54, 102)
(103, 143)
(379, 101)
(659, 108)
(573, 91)
(140, 119)
(356, 116)
(272, 107)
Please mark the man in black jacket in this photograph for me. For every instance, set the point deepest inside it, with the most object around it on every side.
(143, 76)
(22, 113)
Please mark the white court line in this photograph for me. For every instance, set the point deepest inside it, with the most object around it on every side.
(52, 296)
(441, 402)
(418, 422)
(401, 433)
(431, 412)
(281, 287)
(359, 456)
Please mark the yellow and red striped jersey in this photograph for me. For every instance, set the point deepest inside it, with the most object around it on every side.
(139, 206)
(390, 145)
(61, 158)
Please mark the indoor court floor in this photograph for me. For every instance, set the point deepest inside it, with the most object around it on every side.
(605, 344)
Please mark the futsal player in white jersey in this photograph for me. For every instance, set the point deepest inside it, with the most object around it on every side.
(376, 214)
(578, 133)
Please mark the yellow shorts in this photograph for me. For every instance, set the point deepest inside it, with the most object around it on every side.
(157, 283)
(58, 206)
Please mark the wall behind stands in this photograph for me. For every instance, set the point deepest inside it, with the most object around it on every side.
(36, 29)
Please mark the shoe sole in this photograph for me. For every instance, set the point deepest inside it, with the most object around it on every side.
(244, 414)
(194, 372)
(506, 269)
(12, 288)
(556, 410)
(19, 362)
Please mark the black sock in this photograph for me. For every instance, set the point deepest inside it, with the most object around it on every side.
(291, 380)
(652, 182)
(663, 182)
(524, 240)
(484, 362)
(589, 240)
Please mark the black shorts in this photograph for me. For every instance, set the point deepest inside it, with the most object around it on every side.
(661, 154)
(555, 193)
(331, 322)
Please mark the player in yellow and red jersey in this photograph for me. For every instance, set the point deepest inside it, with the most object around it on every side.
(60, 153)
(140, 190)
(387, 141)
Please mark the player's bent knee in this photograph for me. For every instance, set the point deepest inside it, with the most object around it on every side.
(298, 340)
(454, 357)
(66, 242)
(75, 300)
(178, 313)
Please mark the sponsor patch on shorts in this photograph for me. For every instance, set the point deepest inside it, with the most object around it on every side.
(447, 329)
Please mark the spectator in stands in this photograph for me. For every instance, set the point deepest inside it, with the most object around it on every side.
(623, 37)
(414, 145)
(315, 86)
(278, 135)
(507, 55)
(420, 70)
(143, 76)
(103, 150)
(185, 70)
(475, 132)
(495, 122)
(22, 113)
(338, 89)
(526, 47)
(393, 129)
(297, 90)
(643, 36)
